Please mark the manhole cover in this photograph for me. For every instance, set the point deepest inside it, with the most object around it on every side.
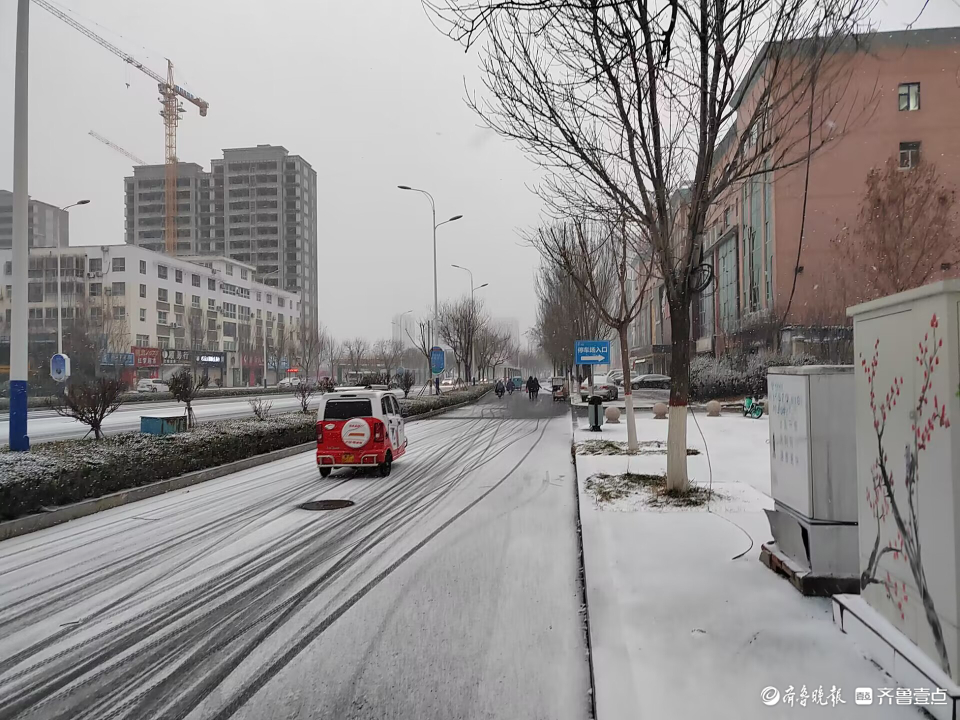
(325, 504)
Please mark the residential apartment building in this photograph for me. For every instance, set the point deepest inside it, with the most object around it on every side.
(404, 329)
(158, 313)
(257, 206)
(900, 95)
(48, 225)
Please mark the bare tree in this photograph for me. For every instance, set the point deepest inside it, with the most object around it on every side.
(380, 350)
(356, 351)
(279, 349)
(90, 402)
(458, 325)
(493, 347)
(311, 347)
(611, 265)
(334, 354)
(627, 103)
(422, 343)
(261, 408)
(185, 387)
(905, 232)
(564, 316)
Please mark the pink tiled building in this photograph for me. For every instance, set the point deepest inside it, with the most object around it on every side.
(901, 102)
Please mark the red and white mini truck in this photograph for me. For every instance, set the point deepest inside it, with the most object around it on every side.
(359, 428)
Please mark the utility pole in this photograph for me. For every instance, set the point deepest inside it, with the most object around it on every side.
(19, 337)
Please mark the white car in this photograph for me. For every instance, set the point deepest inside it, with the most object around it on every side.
(607, 389)
(151, 385)
(289, 383)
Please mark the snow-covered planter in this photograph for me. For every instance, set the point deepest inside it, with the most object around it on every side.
(65, 472)
(41, 401)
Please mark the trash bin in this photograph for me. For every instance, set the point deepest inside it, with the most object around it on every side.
(163, 425)
(595, 412)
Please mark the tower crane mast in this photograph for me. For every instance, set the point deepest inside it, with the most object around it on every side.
(171, 109)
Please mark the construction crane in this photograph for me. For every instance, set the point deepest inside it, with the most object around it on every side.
(171, 110)
(114, 146)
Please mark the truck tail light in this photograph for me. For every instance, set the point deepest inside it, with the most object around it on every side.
(378, 431)
(319, 433)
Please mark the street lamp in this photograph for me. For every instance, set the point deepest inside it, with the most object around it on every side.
(433, 209)
(60, 281)
(472, 307)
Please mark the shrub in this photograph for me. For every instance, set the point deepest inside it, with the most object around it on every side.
(428, 403)
(736, 375)
(66, 472)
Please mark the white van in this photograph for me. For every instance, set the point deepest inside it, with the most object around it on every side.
(151, 385)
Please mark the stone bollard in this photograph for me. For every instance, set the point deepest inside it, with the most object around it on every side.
(713, 409)
(612, 414)
(660, 411)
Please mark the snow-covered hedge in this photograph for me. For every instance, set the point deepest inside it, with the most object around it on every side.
(65, 472)
(736, 376)
(426, 403)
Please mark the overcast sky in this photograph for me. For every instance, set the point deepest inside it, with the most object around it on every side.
(367, 91)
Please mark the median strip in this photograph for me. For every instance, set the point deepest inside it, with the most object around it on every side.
(63, 481)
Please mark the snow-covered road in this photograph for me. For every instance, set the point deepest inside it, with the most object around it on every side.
(447, 591)
(46, 425)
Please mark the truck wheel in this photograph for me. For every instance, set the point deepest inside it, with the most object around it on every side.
(325, 472)
(386, 466)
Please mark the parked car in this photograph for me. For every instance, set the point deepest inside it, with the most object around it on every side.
(290, 382)
(652, 380)
(359, 428)
(616, 377)
(605, 388)
(151, 385)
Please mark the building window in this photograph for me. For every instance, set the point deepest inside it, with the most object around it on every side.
(161, 317)
(120, 312)
(728, 286)
(211, 284)
(143, 318)
(279, 301)
(178, 298)
(230, 310)
(163, 343)
(178, 276)
(195, 301)
(195, 280)
(909, 96)
(118, 264)
(143, 267)
(243, 274)
(143, 290)
(96, 289)
(143, 341)
(162, 272)
(162, 295)
(211, 324)
(96, 265)
(229, 269)
(269, 299)
(118, 288)
(211, 304)
(909, 155)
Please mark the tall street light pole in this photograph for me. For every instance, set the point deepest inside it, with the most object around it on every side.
(433, 210)
(19, 440)
(473, 310)
(60, 281)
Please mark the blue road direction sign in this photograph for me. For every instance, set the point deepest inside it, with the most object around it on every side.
(592, 352)
(438, 360)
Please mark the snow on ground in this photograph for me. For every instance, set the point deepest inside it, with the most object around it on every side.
(685, 621)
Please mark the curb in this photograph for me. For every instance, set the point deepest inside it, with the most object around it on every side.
(583, 572)
(40, 521)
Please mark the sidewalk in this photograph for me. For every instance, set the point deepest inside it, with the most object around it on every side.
(680, 629)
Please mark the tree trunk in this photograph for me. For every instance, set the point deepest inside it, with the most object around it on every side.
(679, 392)
(632, 444)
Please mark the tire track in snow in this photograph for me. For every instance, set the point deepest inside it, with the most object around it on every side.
(167, 642)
